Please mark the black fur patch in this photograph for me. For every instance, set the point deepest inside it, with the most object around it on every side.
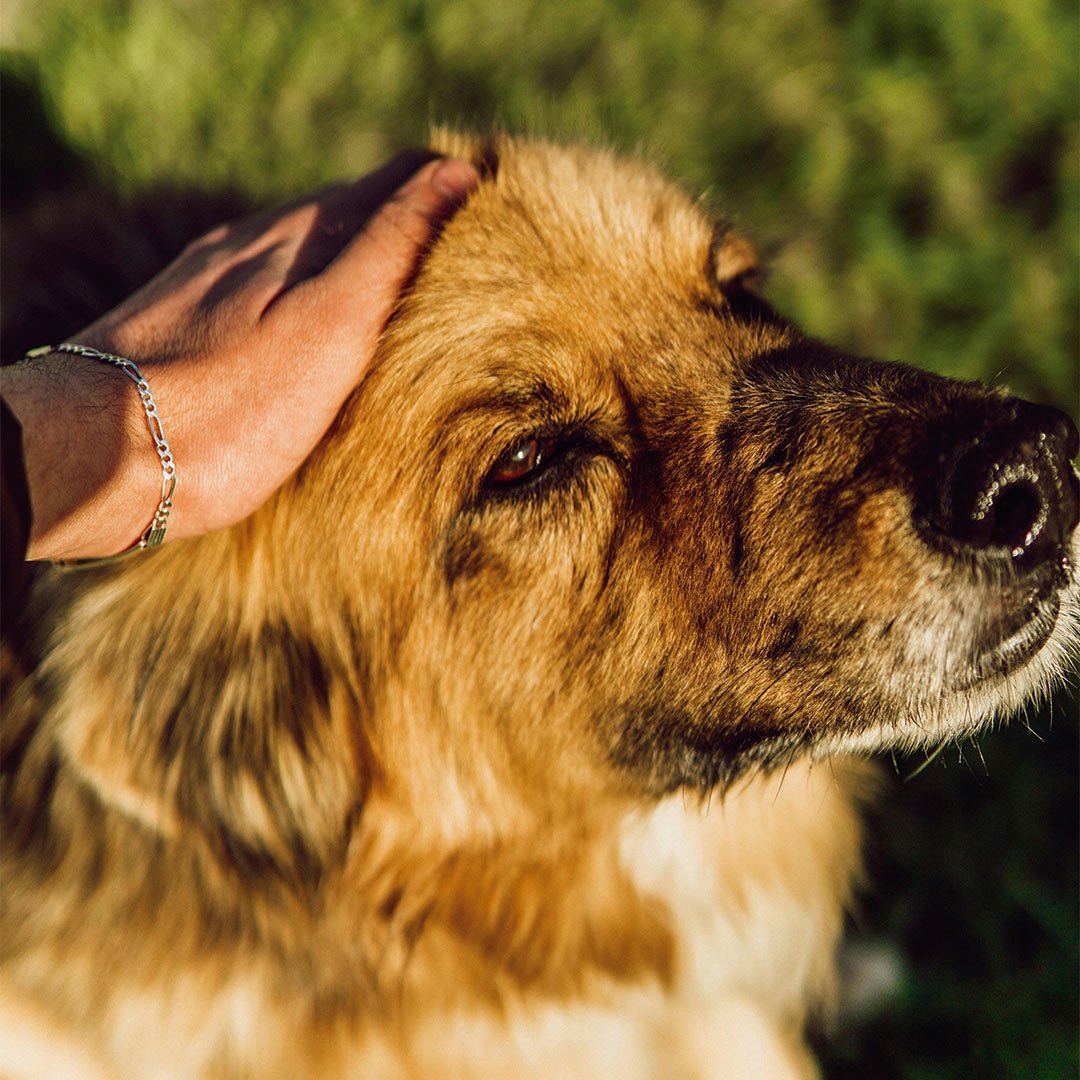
(463, 555)
(669, 748)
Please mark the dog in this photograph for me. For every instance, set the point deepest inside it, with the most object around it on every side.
(521, 733)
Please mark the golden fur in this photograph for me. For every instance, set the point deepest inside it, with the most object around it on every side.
(418, 774)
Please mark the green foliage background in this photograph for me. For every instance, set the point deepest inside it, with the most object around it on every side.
(913, 166)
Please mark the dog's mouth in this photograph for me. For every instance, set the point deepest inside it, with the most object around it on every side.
(1020, 629)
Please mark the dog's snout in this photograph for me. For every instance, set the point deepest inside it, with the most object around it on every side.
(1006, 489)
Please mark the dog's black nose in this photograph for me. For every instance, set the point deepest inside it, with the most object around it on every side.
(1006, 485)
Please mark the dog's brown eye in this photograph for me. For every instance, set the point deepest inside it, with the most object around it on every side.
(523, 460)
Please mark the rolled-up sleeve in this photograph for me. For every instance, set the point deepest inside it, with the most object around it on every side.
(15, 522)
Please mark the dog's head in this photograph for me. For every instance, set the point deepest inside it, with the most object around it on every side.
(597, 523)
(611, 524)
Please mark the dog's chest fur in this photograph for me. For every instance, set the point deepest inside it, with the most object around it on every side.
(749, 887)
(752, 883)
(753, 887)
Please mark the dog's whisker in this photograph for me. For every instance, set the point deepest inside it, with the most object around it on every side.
(787, 766)
(1030, 729)
(978, 749)
(929, 759)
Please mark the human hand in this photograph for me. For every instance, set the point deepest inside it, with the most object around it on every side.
(250, 342)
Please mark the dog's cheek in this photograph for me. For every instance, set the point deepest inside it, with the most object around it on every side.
(755, 601)
(465, 556)
(521, 608)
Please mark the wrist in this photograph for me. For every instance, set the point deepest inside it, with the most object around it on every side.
(91, 467)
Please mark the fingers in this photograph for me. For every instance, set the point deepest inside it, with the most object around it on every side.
(375, 264)
(317, 226)
(310, 220)
(382, 219)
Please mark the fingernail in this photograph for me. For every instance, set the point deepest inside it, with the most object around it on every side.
(454, 179)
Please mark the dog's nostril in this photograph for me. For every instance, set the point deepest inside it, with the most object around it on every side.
(987, 503)
(1009, 487)
(1013, 516)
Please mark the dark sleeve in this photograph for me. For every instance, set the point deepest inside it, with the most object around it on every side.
(14, 524)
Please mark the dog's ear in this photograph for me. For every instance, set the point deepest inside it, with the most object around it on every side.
(734, 264)
(481, 151)
(252, 740)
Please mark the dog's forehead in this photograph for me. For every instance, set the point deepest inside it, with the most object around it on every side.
(575, 269)
(589, 230)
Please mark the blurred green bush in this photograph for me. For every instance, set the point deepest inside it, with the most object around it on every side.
(912, 166)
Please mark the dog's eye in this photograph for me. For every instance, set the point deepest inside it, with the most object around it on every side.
(522, 461)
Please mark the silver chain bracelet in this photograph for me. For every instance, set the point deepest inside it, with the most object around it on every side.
(154, 533)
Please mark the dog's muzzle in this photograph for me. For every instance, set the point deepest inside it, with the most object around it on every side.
(998, 493)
